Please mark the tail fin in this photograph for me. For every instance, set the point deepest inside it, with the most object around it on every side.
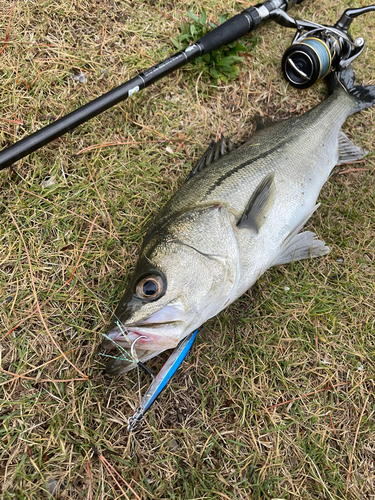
(364, 95)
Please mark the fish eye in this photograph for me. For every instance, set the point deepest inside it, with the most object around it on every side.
(149, 287)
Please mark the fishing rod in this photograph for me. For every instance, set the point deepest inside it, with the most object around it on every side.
(316, 50)
(226, 33)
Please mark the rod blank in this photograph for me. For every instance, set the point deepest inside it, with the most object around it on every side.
(228, 32)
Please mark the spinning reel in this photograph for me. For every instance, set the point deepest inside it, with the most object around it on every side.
(317, 50)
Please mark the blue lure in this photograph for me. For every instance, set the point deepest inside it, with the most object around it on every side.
(162, 379)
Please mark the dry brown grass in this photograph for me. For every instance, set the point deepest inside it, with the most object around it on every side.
(219, 430)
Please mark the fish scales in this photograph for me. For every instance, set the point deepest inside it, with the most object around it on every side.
(296, 161)
(275, 148)
(232, 221)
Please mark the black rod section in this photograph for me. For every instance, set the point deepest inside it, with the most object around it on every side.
(228, 32)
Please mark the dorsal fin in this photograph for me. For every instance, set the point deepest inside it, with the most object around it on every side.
(262, 122)
(217, 149)
(259, 205)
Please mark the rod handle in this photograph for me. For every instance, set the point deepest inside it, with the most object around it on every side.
(228, 32)
(241, 24)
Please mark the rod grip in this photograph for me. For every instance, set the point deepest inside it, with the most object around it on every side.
(239, 25)
(228, 32)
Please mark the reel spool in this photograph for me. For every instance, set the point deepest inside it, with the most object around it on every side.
(304, 63)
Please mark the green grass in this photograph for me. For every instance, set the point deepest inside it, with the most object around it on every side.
(212, 433)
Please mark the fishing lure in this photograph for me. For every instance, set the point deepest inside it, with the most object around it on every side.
(162, 378)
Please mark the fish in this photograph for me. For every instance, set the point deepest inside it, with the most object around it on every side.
(239, 213)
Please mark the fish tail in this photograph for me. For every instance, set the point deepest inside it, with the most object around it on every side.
(364, 95)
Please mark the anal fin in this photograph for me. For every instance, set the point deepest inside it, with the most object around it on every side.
(301, 246)
(348, 151)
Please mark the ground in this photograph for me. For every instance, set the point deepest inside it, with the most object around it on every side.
(275, 400)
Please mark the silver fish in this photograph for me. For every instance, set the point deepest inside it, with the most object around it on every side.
(237, 215)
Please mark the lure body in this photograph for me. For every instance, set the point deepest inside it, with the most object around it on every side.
(161, 380)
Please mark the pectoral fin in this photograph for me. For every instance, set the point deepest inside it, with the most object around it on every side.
(259, 205)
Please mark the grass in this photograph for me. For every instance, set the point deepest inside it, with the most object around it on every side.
(302, 329)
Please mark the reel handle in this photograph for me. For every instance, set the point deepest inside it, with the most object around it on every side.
(348, 16)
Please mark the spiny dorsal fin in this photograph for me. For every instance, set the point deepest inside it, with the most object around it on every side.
(348, 151)
(215, 150)
(259, 205)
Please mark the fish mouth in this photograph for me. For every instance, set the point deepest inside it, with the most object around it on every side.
(125, 338)
(155, 332)
(146, 339)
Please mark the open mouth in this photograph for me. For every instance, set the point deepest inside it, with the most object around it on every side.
(145, 340)
(126, 338)
(157, 332)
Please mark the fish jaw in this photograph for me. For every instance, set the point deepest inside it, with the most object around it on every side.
(148, 338)
(163, 329)
(120, 365)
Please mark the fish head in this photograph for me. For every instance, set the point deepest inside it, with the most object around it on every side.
(180, 280)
